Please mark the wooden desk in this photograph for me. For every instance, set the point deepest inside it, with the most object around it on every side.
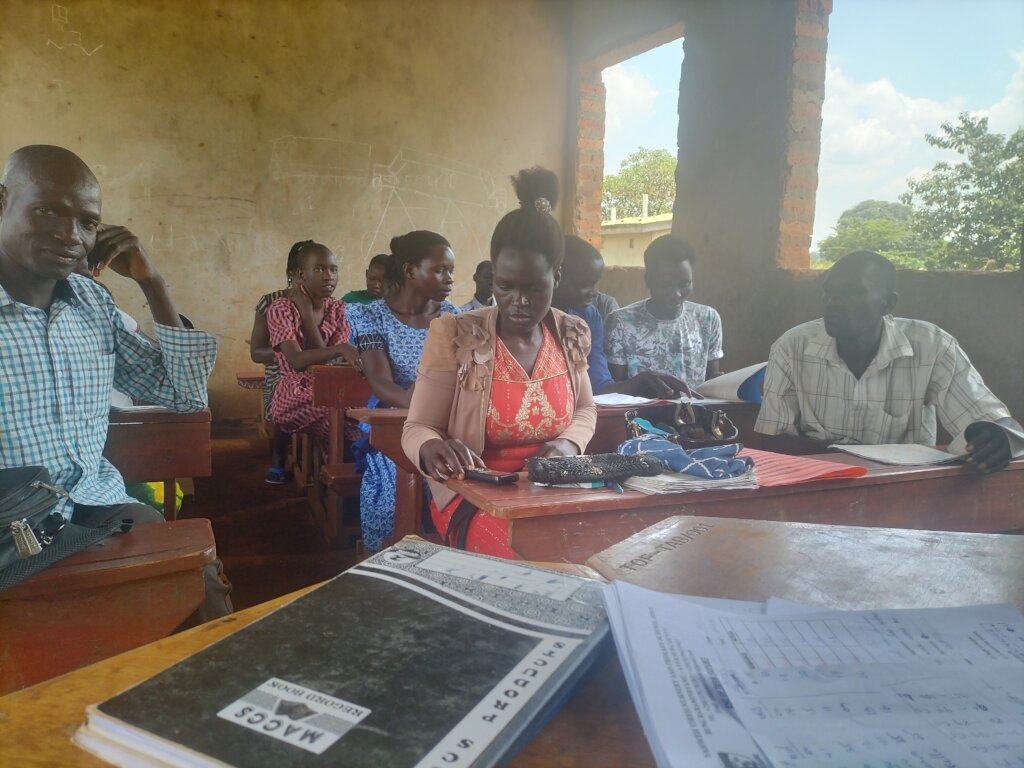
(829, 566)
(570, 525)
(339, 388)
(159, 445)
(386, 436)
(250, 380)
(598, 726)
(127, 591)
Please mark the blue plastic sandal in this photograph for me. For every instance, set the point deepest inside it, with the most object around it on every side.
(276, 476)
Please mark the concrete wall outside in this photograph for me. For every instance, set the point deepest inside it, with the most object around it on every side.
(626, 249)
(734, 102)
(224, 131)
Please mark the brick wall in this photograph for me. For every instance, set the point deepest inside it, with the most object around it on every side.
(803, 129)
(589, 169)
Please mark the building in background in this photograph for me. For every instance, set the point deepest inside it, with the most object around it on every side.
(623, 241)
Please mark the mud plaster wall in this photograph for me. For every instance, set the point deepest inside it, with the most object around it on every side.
(222, 132)
(733, 99)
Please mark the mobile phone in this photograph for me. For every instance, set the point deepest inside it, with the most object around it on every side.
(492, 476)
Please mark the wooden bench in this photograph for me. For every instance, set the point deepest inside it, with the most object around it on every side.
(124, 592)
(155, 444)
(254, 380)
(337, 388)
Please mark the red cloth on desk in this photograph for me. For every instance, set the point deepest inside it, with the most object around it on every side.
(525, 412)
(774, 469)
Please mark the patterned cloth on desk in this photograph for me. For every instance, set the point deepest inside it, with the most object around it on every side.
(375, 326)
(525, 412)
(712, 463)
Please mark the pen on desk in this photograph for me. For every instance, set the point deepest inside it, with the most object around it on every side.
(617, 487)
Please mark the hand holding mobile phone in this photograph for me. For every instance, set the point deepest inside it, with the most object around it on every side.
(492, 476)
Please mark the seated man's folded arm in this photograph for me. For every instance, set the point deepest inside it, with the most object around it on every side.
(173, 373)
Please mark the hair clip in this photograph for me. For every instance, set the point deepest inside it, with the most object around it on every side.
(542, 204)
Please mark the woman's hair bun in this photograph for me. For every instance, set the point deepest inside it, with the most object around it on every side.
(532, 184)
(396, 243)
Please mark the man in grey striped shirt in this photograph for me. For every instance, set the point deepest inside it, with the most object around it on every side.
(859, 375)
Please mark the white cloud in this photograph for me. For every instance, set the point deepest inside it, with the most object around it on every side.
(872, 138)
(1007, 114)
(629, 102)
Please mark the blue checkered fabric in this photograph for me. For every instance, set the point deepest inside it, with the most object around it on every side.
(58, 369)
(714, 462)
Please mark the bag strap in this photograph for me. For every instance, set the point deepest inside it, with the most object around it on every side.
(458, 526)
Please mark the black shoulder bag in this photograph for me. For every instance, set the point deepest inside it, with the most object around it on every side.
(32, 535)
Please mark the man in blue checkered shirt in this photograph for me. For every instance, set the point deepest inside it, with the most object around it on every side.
(64, 345)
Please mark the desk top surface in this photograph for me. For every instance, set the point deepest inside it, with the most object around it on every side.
(158, 416)
(598, 727)
(145, 551)
(828, 566)
(524, 499)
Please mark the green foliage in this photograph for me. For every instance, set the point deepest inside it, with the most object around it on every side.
(877, 225)
(966, 215)
(650, 171)
(974, 207)
(876, 209)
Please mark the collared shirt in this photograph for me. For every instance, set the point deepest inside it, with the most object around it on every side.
(680, 347)
(918, 372)
(475, 304)
(596, 361)
(59, 368)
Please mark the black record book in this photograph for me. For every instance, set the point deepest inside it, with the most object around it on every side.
(419, 656)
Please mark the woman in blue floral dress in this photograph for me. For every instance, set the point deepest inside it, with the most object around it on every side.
(390, 335)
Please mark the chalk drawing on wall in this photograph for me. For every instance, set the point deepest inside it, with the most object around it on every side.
(215, 228)
(425, 191)
(60, 17)
(311, 158)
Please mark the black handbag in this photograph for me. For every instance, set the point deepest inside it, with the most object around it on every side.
(33, 535)
(685, 423)
(596, 468)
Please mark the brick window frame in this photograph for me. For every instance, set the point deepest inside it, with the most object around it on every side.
(588, 164)
(803, 135)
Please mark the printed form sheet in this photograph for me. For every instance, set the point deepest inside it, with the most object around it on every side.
(729, 677)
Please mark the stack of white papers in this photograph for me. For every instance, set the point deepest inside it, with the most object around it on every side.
(776, 684)
(674, 482)
(901, 454)
(615, 398)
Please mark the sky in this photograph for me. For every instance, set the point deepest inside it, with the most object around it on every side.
(895, 70)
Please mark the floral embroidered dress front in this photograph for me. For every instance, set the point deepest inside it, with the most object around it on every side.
(526, 409)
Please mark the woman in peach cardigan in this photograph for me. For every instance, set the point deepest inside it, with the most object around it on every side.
(498, 385)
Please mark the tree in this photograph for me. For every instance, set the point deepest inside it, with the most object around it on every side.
(885, 227)
(645, 171)
(974, 208)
